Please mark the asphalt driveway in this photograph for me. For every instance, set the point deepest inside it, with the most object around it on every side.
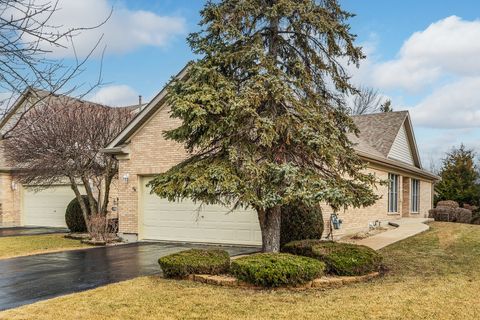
(29, 231)
(29, 279)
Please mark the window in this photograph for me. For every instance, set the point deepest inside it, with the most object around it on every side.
(393, 192)
(415, 195)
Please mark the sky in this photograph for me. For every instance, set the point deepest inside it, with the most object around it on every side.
(423, 55)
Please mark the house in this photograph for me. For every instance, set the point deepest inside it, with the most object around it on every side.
(33, 205)
(387, 143)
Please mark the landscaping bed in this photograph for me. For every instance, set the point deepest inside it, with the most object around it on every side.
(321, 282)
(85, 238)
(306, 264)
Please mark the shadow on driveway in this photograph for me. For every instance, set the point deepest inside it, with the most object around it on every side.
(25, 280)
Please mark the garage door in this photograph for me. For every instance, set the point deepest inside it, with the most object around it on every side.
(183, 221)
(46, 207)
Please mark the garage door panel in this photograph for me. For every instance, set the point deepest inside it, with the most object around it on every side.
(46, 207)
(182, 221)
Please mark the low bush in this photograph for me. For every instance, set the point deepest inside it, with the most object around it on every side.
(74, 216)
(449, 214)
(301, 222)
(276, 269)
(195, 261)
(448, 204)
(343, 259)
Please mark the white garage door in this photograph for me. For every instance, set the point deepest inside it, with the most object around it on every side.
(46, 207)
(182, 221)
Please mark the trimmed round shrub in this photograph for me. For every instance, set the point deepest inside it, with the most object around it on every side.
(449, 214)
(276, 269)
(301, 222)
(343, 259)
(195, 261)
(74, 216)
(448, 204)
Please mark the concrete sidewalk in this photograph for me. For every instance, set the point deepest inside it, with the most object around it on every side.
(407, 227)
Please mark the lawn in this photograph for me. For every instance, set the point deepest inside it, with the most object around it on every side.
(28, 245)
(434, 275)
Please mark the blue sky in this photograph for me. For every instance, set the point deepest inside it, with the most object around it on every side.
(421, 54)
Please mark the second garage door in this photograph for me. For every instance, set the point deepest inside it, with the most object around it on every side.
(46, 207)
(182, 221)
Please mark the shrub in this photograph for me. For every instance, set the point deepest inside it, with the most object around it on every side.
(343, 259)
(74, 216)
(450, 214)
(195, 261)
(301, 222)
(276, 269)
(448, 203)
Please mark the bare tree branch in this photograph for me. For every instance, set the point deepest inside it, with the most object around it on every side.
(60, 140)
(368, 100)
(27, 37)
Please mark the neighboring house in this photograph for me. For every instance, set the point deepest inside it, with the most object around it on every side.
(33, 205)
(386, 143)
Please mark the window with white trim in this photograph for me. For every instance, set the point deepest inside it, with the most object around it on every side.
(415, 196)
(393, 192)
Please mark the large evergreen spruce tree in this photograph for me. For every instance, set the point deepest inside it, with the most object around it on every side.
(262, 111)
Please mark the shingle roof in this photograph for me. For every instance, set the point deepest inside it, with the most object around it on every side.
(379, 130)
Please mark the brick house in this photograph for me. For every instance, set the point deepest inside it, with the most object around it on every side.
(387, 143)
(33, 205)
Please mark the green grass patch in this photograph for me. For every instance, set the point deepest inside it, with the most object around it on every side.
(27, 245)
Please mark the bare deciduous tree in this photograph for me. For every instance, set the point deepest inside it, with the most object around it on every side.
(26, 39)
(368, 100)
(62, 141)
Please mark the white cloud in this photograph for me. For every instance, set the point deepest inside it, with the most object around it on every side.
(455, 105)
(447, 47)
(125, 31)
(116, 96)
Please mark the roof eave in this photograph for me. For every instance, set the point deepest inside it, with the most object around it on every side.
(394, 164)
(143, 116)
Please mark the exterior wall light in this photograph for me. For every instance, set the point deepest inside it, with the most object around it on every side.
(125, 177)
(14, 186)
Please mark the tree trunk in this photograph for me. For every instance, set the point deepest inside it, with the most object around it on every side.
(270, 221)
(79, 197)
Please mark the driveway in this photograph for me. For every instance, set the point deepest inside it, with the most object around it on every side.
(29, 279)
(29, 231)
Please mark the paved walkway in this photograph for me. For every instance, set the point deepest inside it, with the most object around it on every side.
(407, 227)
(29, 279)
(29, 231)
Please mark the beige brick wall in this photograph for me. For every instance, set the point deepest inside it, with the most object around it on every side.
(10, 202)
(150, 153)
(358, 219)
(426, 198)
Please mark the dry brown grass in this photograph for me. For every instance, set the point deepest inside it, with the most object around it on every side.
(425, 281)
(27, 245)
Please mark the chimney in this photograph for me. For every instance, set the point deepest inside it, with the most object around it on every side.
(139, 100)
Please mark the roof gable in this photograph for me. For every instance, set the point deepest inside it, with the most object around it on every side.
(391, 134)
(379, 130)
